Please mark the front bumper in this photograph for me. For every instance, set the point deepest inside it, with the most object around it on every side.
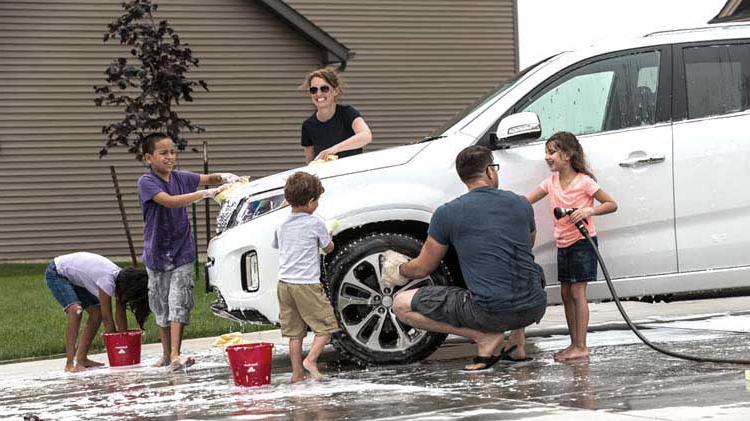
(219, 308)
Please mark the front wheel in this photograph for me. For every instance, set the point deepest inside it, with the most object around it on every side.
(371, 333)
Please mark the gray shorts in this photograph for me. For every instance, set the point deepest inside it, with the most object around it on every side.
(170, 294)
(454, 306)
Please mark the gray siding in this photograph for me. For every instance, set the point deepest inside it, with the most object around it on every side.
(56, 196)
(418, 62)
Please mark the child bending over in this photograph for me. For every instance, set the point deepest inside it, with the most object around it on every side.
(86, 282)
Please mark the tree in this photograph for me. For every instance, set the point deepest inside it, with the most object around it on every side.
(148, 91)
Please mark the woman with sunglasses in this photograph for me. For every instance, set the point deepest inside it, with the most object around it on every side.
(333, 129)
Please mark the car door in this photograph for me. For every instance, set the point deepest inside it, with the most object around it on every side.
(711, 149)
(618, 107)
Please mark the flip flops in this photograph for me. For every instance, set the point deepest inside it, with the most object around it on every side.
(506, 358)
(487, 361)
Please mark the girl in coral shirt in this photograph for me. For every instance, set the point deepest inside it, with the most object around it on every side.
(572, 185)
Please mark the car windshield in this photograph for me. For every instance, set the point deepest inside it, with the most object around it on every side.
(484, 99)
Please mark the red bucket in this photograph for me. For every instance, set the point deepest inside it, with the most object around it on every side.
(123, 348)
(251, 363)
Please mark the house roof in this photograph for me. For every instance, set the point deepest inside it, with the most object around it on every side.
(336, 52)
(733, 10)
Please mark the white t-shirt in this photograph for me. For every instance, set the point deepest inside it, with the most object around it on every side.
(299, 239)
(88, 270)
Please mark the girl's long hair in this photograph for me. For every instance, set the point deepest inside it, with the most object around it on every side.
(567, 143)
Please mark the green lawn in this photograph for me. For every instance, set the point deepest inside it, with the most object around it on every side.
(32, 323)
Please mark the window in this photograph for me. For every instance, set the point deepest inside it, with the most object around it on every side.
(716, 79)
(609, 94)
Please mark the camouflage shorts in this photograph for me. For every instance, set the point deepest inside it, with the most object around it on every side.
(170, 294)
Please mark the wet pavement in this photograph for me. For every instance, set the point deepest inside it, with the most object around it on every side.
(623, 379)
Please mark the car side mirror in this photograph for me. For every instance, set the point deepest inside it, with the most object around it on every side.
(514, 128)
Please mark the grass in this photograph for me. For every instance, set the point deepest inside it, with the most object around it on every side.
(32, 323)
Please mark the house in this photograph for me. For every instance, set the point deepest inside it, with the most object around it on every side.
(409, 66)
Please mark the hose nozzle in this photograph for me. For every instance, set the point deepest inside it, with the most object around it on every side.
(560, 212)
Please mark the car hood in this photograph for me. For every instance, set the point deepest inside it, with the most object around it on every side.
(358, 163)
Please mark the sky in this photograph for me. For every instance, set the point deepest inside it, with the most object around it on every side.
(547, 27)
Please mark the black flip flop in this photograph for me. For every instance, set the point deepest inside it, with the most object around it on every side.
(505, 356)
(487, 361)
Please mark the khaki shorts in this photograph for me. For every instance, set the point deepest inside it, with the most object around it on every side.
(303, 305)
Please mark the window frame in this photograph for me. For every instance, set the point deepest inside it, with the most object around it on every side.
(679, 81)
(663, 94)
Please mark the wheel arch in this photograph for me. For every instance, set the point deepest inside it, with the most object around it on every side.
(411, 227)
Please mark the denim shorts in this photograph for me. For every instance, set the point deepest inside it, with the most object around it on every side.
(66, 293)
(577, 262)
(454, 306)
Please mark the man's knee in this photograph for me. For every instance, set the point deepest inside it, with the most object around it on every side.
(402, 303)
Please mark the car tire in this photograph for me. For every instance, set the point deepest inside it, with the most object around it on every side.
(370, 332)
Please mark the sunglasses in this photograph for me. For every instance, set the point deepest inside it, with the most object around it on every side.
(324, 89)
(495, 166)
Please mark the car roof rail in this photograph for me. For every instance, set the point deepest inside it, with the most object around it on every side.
(733, 25)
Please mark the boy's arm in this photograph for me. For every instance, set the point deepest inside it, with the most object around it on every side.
(329, 248)
(218, 178)
(105, 301)
(169, 201)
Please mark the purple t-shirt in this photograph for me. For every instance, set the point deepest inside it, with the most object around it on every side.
(167, 239)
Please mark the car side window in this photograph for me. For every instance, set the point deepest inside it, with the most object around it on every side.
(716, 79)
(608, 94)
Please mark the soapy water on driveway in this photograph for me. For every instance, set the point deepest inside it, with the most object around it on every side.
(623, 378)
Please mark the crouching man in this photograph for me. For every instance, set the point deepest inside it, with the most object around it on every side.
(492, 231)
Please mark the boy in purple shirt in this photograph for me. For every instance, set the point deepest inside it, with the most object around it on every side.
(169, 250)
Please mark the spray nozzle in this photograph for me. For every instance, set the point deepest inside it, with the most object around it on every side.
(581, 225)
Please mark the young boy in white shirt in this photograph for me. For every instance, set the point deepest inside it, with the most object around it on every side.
(302, 301)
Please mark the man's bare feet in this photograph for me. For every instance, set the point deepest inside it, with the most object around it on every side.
(180, 363)
(514, 353)
(162, 362)
(573, 354)
(72, 368)
(489, 343)
(89, 363)
(313, 369)
(487, 346)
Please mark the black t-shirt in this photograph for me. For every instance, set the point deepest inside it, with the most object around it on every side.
(490, 230)
(321, 135)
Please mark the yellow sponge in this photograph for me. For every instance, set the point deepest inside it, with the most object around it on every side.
(234, 338)
(332, 225)
(327, 159)
(221, 197)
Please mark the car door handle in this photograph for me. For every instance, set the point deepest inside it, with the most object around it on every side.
(643, 161)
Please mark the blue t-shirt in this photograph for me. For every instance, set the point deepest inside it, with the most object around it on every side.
(490, 230)
(167, 239)
(321, 135)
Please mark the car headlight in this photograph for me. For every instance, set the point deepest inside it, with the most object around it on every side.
(257, 206)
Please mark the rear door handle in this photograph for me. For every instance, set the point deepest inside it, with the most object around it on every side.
(642, 162)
